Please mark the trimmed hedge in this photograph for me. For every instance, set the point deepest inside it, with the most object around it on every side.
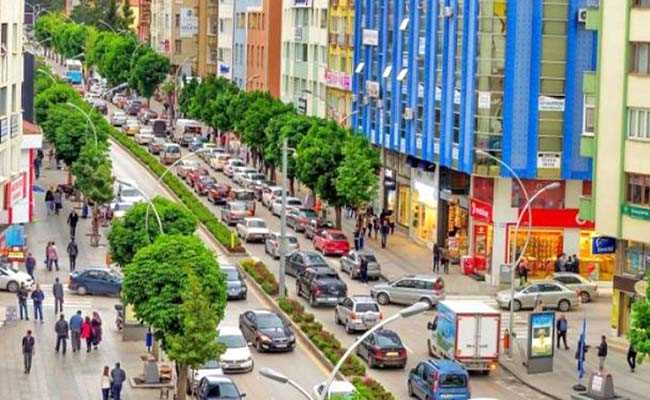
(224, 235)
(370, 389)
(261, 274)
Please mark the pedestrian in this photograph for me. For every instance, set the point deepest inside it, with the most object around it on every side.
(96, 325)
(62, 329)
(522, 271)
(73, 251)
(37, 297)
(363, 270)
(436, 258)
(48, 264)
(37, 167)
(357, 234)
(105, 383)
(118, 376)
(576, 264)
(28, 351)
(85, 209)
(562, 326)
(369, 225)
(53, 256)
(377, 226)
(444, 260)
(87, 333)
(58, 200)
(539, 305)
(50, 158)
(57, 291)
(631, 357)
(73, 219)
(49, 200)
(560, 263)
(22, 294)
(602, 353)
(75, 331)
(385, 230)
(30, 265)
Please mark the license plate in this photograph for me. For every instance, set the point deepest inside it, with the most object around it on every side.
(281, 345)
(332, 299)
(232, 291)
(392, 354)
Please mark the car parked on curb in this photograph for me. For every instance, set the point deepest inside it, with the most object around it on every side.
(128, 192)
(586, 289)
(219, 193)
(218, 388)
(317, 225)
(321, 286)
(410, 289)
(272, 244)
(233, 212)
(95, 280)
(237, 357)
(298, 261)
(351, 264)
(331, 242)
(298, 218)
(185, 167)
(292, 202)
(118, 118)
(267, 331)
(194, 376)
(552, 294)
(439, 379)
(252, 229)
(357, 313)
(237, 288)
(203, 184)
(383, 348)
(11, 279)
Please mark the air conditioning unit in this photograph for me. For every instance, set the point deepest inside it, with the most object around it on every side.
(408, 113)
(448, 11)
(582, 15)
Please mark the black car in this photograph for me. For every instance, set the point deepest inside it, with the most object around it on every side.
(267, 331)
(298, 261)
(383, 348)
(321, 286)
(237, 288)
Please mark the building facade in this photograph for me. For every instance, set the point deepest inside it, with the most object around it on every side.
(619, 143)
(442, 86)
(304, 55)
(243, 9)
(226, 33)
(264, 47)
(338, 75)
(143, 23)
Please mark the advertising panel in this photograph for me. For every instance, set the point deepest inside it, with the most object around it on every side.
(541, 334)
(446, 329)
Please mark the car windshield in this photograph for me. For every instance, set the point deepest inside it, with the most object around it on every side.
(236, 163)
(294, 202)
(231, 274)
(238, 206)
(212, 364)
(223, 390)
(369, 258)
(130, 192)
(388, 340)
(256, 177)
(292, 239)
(309, 213)
(367, 307)
(232, 341)
(245, 196)
(337, 236)
(453, 381)
(257, 224)
(328, 275)
(173, 149)
(191, 164)
(267, 321)
(313, 259)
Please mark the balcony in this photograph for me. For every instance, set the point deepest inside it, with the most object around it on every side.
(587, 146)
(586, 208)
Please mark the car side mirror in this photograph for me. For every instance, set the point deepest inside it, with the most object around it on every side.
(430, 326)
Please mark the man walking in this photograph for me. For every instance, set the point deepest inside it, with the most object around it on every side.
(562, 326)
(385, 230)
(118, 376)
(61, 328)
(602, 353)
(57, 291)
(22, 301)
(436, 258)
(73, 251)
(28, 351)
(75, 330)
(37, 298)
(73, 219)
(631, 357)
(363, 270)
(30, 264)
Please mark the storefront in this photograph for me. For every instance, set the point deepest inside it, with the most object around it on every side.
(457, 242)
(397, 188)
(481, 214)
(453, 213)
(424, 207)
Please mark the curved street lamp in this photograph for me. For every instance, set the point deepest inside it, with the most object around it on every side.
(280, 378)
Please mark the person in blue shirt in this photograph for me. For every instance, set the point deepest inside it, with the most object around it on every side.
(37, 298)
(562, 326)
(75, 331)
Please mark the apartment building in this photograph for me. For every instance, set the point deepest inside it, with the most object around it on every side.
(243, 8)
(338, 75)
(304, 55)
(617, 137)
(264, 47)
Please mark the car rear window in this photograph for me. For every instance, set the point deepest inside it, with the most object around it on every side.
(313, 259)
(257, 224)
(453, 381)
(292, 240)
(388, 340)
(337, 236)
(294, 202)
(367, 307)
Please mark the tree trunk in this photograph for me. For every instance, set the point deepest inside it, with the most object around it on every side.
(181, 382)
(94, 234)
(337, 211)
(292, 182)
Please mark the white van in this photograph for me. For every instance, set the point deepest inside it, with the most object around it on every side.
(186, 130)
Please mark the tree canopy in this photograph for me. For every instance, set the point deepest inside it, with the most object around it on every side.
(357, 182)
(640, 324)
(93, 170)
(149, 70)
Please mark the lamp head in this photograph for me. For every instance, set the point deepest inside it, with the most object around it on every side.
(273, 375)
(415, 309)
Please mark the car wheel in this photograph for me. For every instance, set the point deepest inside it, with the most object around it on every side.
(312, 300)
(82, 290)
(371, 362)
(383, 299)
(585, 297)
(564, 305)
(348, 329)
(258, 346)
(410, 389)
(427, 301)
(517, 306)
(12, 286)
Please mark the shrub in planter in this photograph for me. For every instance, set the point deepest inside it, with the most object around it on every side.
(371, 389)
(261, 274)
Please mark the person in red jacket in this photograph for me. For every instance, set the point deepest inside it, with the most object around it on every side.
(87, 333)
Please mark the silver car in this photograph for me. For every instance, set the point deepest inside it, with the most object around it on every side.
(357, 313)
(585, 288)
(551, 293)
(272, 244)
(351, 263)
(410, 289)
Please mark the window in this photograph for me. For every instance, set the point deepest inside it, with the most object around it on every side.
(14, 98)
(241, 20)
(638, 124)
(14, 39)
(177, 20)
(637, 258)
(178, 46)
(3, 101)
(3, 38)
(641, 3)
(638, 189)
(589, 115)
(640, 58)
(323, 19)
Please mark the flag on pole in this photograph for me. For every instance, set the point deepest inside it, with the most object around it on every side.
(580, 355)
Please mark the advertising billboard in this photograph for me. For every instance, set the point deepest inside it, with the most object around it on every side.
(541, 335)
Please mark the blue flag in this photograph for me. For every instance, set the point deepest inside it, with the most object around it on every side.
(580, 355)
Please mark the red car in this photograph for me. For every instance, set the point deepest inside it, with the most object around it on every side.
(192, 176)
(219, 193)
(331, 241)
(203, 184)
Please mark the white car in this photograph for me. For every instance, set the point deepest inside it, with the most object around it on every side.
(210, 368)
(241, 173)
(269, 193)
(128, 193)
(237, 356)
(272, 244)
(252, 229)
(145, 136)
(219, 161)
(120, 208)
(292, 202)
(251, 179)
(231, 164)
(338, 389)
(118, 118)
(11, 279)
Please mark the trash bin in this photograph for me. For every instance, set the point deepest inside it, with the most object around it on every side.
(467, 265)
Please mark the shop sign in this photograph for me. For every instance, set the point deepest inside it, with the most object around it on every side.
(15, 254)
(339, 80)
(556, 218)
(636, 212)
(603, 245)
(549, 160)
(14, 191)
(370, 37)
(480, 211)
(224, 70)
(372, 89)
(547, 103)
(189, 23)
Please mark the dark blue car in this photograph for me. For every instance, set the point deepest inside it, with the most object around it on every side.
(95, 281)
(439, 379)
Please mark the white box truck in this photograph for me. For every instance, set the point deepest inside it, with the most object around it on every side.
(468, 332)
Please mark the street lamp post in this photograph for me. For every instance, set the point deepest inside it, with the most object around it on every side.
(178, 70)
(280, 378)
(283, 219)
(410, 311)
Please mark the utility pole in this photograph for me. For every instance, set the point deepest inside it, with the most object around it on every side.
(283, 220)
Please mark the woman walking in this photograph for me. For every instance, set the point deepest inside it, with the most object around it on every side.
(96, 325)
(52, 256)
(49, 201)
(87, 333)
(105, 383)
(58, 200)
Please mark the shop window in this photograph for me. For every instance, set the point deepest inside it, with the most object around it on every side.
(586, 188)
(640, 58)
(637, 258)
(549, 199)
(638, 189)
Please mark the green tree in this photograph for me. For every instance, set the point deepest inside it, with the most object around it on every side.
(97, 45)
(157, 278)
(87, 13)
(358, 181)
(221, 119)
(70, 40)
(116, 63)
(129, 233)
(45, 27)
(186, 95)
(55, 94)
(149, 71)
(640, 324)
(318, 156)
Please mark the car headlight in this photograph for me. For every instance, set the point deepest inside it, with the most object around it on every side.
(265, 338)
(292, 338)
